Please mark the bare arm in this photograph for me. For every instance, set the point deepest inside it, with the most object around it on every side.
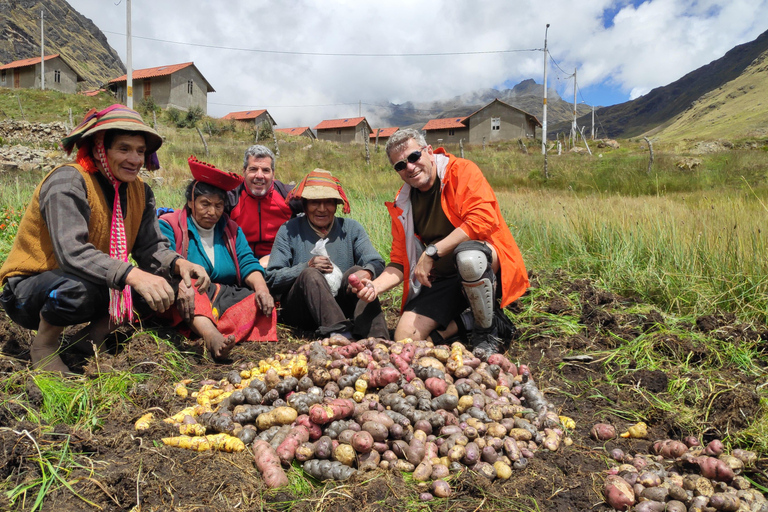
(445, 248)
(388, 279)
(264, 301)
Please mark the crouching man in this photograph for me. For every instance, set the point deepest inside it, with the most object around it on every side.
(69, 262)
(450, 248)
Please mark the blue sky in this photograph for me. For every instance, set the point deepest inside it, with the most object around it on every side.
(308, 60)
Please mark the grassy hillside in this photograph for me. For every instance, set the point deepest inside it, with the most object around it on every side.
(663, 104)
(67, 32)
(736, 110)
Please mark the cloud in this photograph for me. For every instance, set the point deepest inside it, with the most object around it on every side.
(633, 46)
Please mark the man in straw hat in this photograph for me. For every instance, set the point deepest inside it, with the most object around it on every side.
(448, 237)
(298, 276)
(70, 256)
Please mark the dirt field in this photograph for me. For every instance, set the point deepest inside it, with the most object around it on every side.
(128, 471)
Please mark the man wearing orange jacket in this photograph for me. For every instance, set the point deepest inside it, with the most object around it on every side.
(450, 240)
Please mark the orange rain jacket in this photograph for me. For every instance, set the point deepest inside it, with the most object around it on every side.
(470, 204)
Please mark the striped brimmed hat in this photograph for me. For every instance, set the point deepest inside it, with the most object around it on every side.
(320, 184)
(116, 117)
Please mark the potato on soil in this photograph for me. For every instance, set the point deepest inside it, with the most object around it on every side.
(277, 416)
(287, 449)
(219, 442)
(440, 488)
(602, 432)
(618, 493)
(345, 454)
(268, 463)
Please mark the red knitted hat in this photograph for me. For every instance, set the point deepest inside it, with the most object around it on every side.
(209, 174)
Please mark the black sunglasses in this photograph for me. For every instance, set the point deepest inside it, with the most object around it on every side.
(410, 159)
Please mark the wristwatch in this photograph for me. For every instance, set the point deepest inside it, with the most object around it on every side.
(431, 251)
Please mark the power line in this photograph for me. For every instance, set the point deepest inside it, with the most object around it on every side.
(324, 54)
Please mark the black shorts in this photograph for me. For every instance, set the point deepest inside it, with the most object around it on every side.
(443, 302)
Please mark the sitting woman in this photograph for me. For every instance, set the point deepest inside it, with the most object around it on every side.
(237, 306)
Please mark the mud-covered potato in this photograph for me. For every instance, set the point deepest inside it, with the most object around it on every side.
(602, 432)
(618, 493)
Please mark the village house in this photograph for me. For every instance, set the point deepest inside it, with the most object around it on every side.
(383, 134)
(494, 122)
(351, 129)
(255, 117)
(25, 74)
(299, 131)
(178, 85)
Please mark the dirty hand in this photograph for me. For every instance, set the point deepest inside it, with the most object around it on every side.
(321, 263)
(188, 270)
(185, 302)
(154, 289)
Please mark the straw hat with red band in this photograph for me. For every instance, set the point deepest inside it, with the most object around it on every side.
(320, 184)
(115, 117)
(209, 174)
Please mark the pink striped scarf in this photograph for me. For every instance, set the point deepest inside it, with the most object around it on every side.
(120, 301)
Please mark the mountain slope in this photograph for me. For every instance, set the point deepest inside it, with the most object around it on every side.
(67, 32)
(737, 109)
(663, 104)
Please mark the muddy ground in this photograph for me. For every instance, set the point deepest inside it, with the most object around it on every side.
(124, 470)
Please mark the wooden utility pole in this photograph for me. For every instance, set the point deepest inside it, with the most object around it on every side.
(274, 137)
(366, 138)
(544, 124)
(650, 150)
(202, 138)
(593, 122)
(574, 127)
(461, 147)
(378, 130)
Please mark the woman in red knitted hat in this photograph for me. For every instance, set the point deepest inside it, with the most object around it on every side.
(237, 306)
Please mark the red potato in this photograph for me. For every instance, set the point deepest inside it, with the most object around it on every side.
(336, 409)
(504, 363)
(287, 449)
(618, 493)
(313, 429)
(383, 376)
(403, 366)
(603, 432)
(669, 449)
(715, 448)
(714, 469)
(409, 350)
(347, 352)
(268, 464)
(362, 442)
(368, 461)
(436, 386)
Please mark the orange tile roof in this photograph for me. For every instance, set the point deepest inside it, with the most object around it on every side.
(329, 124)
(139, 74)
(27, 62)
(385, 132)
(244, 115)
(445, 123)
(94, 92)
(293, 131)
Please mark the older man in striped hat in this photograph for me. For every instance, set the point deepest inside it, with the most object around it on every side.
(313, 288)
(70, 256)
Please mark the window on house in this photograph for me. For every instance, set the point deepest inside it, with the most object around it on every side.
(189, 86)
(338, 132)
(451, 133)
(495, 123)
(147, 88)
(2, 76)
(57, 76)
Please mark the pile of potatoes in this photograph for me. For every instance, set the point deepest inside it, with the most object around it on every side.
(339, 407)
(683, 476)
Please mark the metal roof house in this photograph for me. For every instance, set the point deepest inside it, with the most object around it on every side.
(25, 74)
(299, 131)
(178, 85)
(351, 129)
(494, 122)
(256, 117)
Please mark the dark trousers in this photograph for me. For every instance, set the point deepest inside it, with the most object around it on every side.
(61, 299)
(310, 305)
